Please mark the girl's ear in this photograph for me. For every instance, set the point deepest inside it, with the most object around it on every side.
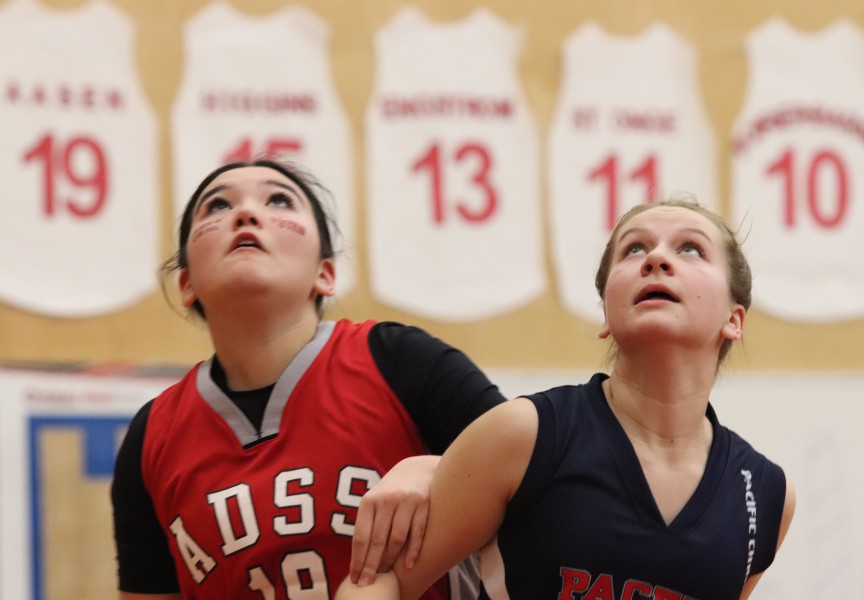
(604, 331)
(325, 285)
(604, 328)
(733, 329)
(187, 295)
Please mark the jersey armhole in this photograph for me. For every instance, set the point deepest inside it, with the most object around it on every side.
(541, 466)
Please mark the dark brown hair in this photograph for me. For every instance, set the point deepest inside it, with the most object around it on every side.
(307, 184)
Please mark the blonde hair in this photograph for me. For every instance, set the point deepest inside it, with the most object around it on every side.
(738, 274)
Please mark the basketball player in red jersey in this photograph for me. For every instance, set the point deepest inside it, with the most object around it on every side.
(244, 479)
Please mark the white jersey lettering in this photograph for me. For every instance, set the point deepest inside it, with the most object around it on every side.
(304, 502)
(242, 497)
(197, 560)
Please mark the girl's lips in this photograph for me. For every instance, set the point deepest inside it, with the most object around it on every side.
(246, 240)
(656, 292)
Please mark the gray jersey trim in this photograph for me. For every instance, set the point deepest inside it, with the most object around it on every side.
(234, 417)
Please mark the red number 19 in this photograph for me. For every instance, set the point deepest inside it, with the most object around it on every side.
(65, 160)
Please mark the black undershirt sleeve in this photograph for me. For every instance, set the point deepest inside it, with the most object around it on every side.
(144, 562)
(442, 389)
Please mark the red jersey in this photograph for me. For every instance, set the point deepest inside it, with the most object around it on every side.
(271, 512)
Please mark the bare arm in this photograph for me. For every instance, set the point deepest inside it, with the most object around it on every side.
(392, 516)
(785, 522)
(475, 480)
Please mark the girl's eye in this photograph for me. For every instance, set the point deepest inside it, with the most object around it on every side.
(215, 205)
(634, 248)
(281, 199)
(692, 248)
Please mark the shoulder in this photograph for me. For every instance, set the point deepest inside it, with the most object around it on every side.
(390, 335)
(567, 402)
(500, 442)
(167, 399)
(515, 418)
(127, 465)
(746, 457)
(765, 483)
(388, 340)
(511, 425)
(138, 425)
(760, 473)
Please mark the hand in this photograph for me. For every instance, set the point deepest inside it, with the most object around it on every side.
(392, 519)
(386, 586)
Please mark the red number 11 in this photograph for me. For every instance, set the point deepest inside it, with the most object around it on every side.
(608, 172)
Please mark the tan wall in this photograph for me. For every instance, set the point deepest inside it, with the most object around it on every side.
(542, 334)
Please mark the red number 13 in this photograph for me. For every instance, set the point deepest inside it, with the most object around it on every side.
(431, 161)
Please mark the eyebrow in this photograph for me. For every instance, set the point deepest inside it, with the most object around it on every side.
(690, 230)
(293, 190)
(220, 188)
(212, 192)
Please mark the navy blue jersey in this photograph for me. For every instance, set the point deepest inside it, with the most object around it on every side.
(584, 524)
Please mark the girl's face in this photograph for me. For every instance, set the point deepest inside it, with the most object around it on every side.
(668, 280)
(253, 231)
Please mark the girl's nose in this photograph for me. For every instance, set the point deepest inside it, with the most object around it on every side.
(656, 259)
(245, 217)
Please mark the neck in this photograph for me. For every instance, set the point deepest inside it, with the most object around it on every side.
(663, 403)
(256, 350)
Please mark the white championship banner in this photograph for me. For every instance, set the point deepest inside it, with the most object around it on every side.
(453, 188)
(256, 87)
(78, 160)
(629, 128)
(797, 185)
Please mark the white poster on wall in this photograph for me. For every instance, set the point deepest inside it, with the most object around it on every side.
(797, 181)
(454, 228)
(59, 434)
(629, 128)
(255, 87)
(78, 163)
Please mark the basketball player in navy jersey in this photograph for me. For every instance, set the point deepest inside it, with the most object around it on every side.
(625, 487)
(244, 479)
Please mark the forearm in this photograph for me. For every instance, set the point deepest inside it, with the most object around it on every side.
(385, 587)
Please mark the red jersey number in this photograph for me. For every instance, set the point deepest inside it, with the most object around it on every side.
(431, 161)
(245, 149)
(79, 163)
(825, 168)
(608, 173)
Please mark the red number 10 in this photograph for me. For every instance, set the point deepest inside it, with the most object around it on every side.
(62, 159)
(825, 161)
